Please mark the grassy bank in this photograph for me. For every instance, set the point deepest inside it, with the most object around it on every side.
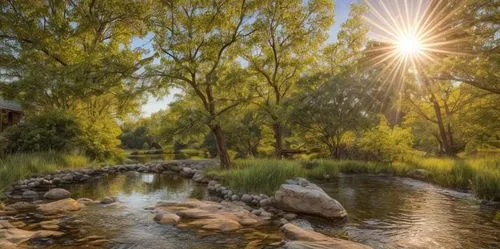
(481, 176)
(20, 166)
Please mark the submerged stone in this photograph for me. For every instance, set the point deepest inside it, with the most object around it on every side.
(298, 238)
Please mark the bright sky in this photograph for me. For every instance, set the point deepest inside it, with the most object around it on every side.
(154, 104)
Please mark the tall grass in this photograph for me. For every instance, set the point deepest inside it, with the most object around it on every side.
(20, 166)
(481, 176)
(258, 175)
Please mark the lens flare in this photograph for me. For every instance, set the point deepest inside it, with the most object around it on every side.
(409, 45)
(405, 34)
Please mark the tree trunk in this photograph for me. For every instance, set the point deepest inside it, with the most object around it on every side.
(225, 161)
(443, 134)
(278, 136)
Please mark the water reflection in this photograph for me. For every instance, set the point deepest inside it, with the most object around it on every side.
(129, 185)
(130, 226)
(400, 213)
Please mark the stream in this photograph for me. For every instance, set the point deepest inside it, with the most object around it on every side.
(384, 212)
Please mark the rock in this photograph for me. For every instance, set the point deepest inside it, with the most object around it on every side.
(67, 178)
(98, 242)
(87, 201)
(304, 197)
(282, 221)
(167, 218)
(257, 212)
(10, 235)
(290, 216)
(301, 239)
(265, 202)
(57, 194)
(7, 245)
(108, 200)
(30, 194)
(235, 198)
(212, 216)
(199, 177)
(60, 206)
(246, 198)
(22, 206)
(219, 224)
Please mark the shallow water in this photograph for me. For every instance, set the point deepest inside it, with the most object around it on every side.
(384, 212)
(391, 212)
(128, 225)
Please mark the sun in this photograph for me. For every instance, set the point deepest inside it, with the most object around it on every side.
(406, 35)
(409, 45)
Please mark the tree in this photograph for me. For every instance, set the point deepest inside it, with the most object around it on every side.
(476, 57)
(58, 54)
(288, 34)
(326, 114)
(345, 54)
(244, 132)
(442, 105)
(193, 39)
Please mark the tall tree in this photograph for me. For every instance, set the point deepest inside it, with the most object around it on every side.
(194, 40)
(289, 33)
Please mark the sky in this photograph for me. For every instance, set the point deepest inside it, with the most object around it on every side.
(155, 104)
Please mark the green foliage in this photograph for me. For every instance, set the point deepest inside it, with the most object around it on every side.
(64, 132)
(481, 176)
(56, 54)
(20, 166)
(331, 113)
(55, 131)
(259, 175)
(288, 35)
(191, 154)
(136, 138)
(385, 143)
(100, 138)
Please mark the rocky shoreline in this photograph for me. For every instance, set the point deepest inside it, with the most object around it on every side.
(231, 211)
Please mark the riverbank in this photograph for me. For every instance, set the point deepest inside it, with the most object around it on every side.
(480, 176)
(20, 166)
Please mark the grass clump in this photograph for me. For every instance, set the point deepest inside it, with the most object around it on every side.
(481, 176)
(258, 175)
(20, 166)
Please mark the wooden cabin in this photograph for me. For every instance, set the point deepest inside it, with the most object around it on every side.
(11, 113)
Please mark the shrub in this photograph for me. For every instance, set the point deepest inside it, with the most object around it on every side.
(53, 131)
(385, 143)
(62, 132)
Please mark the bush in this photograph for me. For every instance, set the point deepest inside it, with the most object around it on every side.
(99, 139)
(62, 132)
(54, 131)
(385, 143)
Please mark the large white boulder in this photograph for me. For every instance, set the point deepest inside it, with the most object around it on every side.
(302, 196)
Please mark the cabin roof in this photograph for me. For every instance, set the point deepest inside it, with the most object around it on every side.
(10, 105)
